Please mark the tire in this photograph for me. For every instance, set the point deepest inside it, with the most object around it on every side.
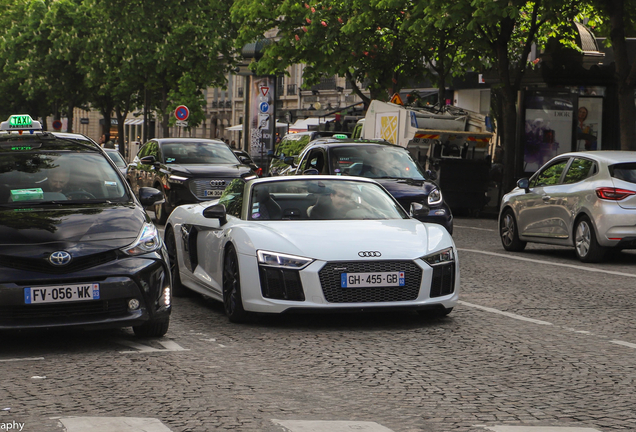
(586, 246)
(232, 300)
(161, 210)
(178, 290)
(509, 233)
(152, 328)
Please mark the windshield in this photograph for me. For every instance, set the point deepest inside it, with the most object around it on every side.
(197, 153)
(117, 158)
(374, 161)
(44, 176)
(322, 199)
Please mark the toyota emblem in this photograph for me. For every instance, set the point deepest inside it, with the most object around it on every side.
(369, 254)
(60, 258)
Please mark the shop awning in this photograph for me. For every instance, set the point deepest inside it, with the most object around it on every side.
(134, 121)
(239, 127)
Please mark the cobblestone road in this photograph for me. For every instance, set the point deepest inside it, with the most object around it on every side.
(539, 339)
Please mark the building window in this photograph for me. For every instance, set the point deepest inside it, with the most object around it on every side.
(291, 89)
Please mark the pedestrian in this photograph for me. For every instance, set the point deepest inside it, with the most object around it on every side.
(102, 140)
(233, 144)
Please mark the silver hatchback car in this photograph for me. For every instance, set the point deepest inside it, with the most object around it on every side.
(585, 199)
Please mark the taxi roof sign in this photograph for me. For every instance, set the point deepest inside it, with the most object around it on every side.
(20, 122)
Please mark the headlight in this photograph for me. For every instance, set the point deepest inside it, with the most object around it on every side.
(177, 179)
(274, 259)
(434, 197)
(441, 257)
(148, 241)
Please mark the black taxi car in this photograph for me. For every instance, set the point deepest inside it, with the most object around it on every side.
(390, 165)
(76, 246)
(187, 170)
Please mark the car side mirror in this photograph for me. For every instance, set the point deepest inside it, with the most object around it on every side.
(289, 160)
(431, 174)
(244, 160)
(311, 171)
(418, 210)
(148, 160)
(524, 184)
(150, 196)
(216, 211)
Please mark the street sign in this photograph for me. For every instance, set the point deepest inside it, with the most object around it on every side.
(182, 123)
(182, 112)
(57, 124)
(264, 90)
(396, 99)
(263, 107)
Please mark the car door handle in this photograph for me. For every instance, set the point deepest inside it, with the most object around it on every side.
(545, 197)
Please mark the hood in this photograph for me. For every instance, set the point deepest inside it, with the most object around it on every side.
(205, 170)
(91, 228)
(342, 240)
(407, 188)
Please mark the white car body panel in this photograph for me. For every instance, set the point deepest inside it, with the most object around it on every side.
(321, 240)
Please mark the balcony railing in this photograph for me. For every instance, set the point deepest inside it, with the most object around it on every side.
(291, 89)
(326, 83)
(240, 92)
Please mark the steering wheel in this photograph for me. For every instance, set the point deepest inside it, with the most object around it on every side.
(78, 194)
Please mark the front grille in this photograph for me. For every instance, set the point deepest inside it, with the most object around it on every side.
(330, 281)
(200, 185)
(96, 309)
(281, 284)
(443, 282)
(42, 265)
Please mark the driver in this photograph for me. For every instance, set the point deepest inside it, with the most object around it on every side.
(335, 205)
(58, 179)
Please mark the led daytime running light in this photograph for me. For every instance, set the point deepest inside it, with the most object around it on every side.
(441, 257)
(273, 259)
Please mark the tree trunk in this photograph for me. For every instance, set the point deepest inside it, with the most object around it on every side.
(69, 118)
(625, 75)
(121, 118)
(165, 118)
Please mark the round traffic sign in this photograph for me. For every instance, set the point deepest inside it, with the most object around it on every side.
(263, 107)
(57, 124)
(182, 112)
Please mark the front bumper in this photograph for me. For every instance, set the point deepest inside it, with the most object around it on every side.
(145, 278)
(422, 296)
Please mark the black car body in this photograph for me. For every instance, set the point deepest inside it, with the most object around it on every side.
(245, 158)
(390, 165)
(87, 255)
(187, 170)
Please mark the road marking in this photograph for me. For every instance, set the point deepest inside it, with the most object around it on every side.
(538, 429)
(535, 321)
(169, 346)
(113, 424)
(475, 228)
(330, 426)
(627, 344)
(577, 267)
(508, 314)
(22, 359)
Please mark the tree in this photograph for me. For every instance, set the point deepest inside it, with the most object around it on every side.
(504, 33)
(618, 18)
(368, 41)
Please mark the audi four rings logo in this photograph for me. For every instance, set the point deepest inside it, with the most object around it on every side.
(368, 254)
(217, 182)
(60, 258)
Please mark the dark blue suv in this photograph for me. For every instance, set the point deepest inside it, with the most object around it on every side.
(390, 165)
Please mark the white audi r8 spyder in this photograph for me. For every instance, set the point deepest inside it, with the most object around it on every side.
(311, 243)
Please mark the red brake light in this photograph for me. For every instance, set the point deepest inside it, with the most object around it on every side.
(613, 194)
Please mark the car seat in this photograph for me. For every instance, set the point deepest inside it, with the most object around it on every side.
(268, 209)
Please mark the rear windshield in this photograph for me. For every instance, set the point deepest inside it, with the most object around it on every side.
(624, 171)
